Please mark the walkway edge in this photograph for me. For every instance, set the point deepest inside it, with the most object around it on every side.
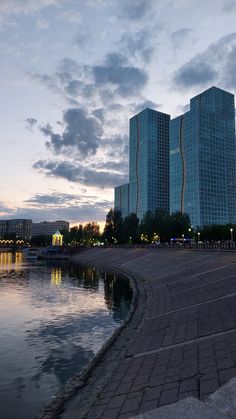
(74, 385)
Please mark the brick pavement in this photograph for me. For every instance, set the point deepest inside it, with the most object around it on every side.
(181, 341)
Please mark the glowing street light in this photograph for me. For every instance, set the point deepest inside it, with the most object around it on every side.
(231, 234)
(198, 235)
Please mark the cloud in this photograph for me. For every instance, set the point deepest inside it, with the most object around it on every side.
(195, 73)
(75, 173)
(52, 199)
(82, 133)
(139, 43)
(135, 10)
(216, 65)
(14, 7)
(229, 6)
(59, 206)
(81, 212)
(146, 104)
(71, 16)
(178, 38)
(30, 123)
(116, 71)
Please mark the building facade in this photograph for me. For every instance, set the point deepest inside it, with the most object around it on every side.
(3, 228)
(149, 162)
(48, 228)
(122, 199)
(203, 159)
(20, 228)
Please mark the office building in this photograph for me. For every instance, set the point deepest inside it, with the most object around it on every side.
(203, 159)
(3, 228)
(48, 228)
(122, 199)
(149, 162)
(18, 228)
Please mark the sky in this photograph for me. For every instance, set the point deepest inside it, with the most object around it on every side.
(73, 72)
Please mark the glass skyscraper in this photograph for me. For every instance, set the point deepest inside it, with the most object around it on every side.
(149, 162)
(122, 199)
(203, 159)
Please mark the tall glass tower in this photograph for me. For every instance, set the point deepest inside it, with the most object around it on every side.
(149, 162)
(203, 159)
(122, 199)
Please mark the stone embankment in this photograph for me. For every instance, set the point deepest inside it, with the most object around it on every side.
(179, 342)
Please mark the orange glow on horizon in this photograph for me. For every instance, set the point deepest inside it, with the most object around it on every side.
(100, 223)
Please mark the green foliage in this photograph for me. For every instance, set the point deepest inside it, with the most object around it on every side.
(130, 229)
(217, 232)
(153, 227)
(41, 240)
(113, 227)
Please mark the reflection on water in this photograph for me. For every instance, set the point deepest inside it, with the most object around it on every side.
(10, 261)
(56, 276)
(53, 319)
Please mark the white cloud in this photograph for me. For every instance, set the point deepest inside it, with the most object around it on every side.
(14, 7)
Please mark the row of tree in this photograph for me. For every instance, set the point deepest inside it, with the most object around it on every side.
(78, 235)
(160, 226)
(154, 227)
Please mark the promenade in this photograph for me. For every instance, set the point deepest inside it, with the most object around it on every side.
(180, 341)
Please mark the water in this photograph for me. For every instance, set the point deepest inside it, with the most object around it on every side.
(53, 320)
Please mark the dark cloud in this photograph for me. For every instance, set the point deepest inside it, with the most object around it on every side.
(120, 166)
(195, 73)
(68, 66)
(99, 114)
(135, 9)
(115, 71)
(216, 65)
(30, 123)
(73, 87)
(81, 212)
(178, 38)
(52, 199)
(229, 6)
(75, 173)
(139, 44)
(81, 133)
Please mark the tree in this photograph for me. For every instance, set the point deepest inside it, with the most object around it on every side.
(113, 227)
(41, 240)
(180, 224)
(130, 229)
(91, 232)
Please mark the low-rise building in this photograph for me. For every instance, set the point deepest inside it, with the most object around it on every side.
(19, 227)
(48, 228)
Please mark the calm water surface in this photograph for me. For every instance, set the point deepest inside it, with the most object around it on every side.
(53, 320)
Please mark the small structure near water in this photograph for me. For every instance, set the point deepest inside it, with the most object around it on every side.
(57, 239)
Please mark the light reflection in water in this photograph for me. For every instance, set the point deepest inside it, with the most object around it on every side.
(53, 319)
(56, 276)
(9, 261)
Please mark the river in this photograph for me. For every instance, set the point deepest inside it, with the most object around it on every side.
(54, 317)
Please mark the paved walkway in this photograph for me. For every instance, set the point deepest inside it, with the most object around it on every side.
(180, 342)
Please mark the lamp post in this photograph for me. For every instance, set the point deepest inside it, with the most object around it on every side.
(198, 236)
(231, 234)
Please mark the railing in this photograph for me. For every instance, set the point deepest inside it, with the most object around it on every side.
(224, 245)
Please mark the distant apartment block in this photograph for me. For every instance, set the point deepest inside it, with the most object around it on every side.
(49, 227)
(203, 159)
(3, 228)
(149, 162)
(122, 199)
(21, 228)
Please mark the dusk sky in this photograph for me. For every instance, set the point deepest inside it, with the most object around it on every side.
(72, 74)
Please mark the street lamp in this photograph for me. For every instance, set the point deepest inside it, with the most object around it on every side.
(231, 234)
(198, 235)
